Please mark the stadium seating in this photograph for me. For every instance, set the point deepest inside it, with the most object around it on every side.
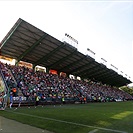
(52, 88)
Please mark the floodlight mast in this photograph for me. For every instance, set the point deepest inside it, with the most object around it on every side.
(103, 61)
(91, 53)
(70, 40)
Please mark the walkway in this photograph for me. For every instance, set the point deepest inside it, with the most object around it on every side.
(11, 126)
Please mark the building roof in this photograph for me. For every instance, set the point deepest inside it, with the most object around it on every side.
(25, 42)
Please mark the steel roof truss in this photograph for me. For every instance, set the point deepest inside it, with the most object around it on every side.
(90, 71)
(31, 48)
(31, 31)
(46, 57)
(62, 59)
(35, 33)
(19, 37)
(14, 40)
(28, 36)
(72, 64)
(86, 70)
(82, 67)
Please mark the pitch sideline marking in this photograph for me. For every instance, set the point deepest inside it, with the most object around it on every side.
(93, 131)
(67, 122)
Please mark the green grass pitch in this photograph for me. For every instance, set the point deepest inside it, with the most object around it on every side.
(112, 117)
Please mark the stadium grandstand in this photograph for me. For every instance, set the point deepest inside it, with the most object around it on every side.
(41, 68)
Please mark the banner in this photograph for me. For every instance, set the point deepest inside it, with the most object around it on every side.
(53, 71)
(2, 95)
(1, 85)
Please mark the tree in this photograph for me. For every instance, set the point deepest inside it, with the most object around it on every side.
(127, 89)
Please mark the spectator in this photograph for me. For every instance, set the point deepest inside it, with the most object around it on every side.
(11, 100)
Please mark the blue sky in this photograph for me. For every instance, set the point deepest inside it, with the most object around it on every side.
(104, 27)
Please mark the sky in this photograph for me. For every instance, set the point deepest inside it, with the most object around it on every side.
(105, 27)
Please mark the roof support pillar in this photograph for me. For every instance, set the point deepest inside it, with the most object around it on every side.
(47, 70)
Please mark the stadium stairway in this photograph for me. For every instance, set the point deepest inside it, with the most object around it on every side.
(19, 91)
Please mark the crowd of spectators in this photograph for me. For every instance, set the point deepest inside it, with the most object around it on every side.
(9, 79)
(55, 88)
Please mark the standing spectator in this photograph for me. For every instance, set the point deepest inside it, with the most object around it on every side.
(81, 99)
(84, 100)
(37, 100)
(11, 100)
(63, 100)
(14, 90)
(20, 100)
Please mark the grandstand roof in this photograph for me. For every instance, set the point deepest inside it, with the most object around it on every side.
(27, 43)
